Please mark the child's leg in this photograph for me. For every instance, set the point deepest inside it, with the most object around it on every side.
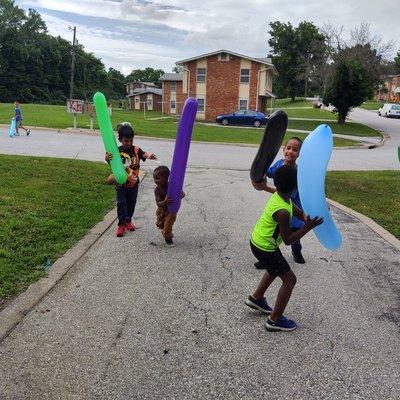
(131, 197)
(168, 223)
(122, 207)
(160, 217)
(264, 284)
(288, 283)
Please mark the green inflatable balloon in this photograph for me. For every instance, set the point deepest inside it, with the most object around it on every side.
(107, 133)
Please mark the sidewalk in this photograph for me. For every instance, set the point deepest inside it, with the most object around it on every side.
(136, 320)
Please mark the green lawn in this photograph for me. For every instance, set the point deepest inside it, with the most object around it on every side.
(287, 103)
(350, 128)
(310, 113)
(375, 194)
(372, 105)
(55, 116)
(46, 206)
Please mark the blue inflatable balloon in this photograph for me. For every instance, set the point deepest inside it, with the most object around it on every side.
(13, 128)
(313, 161)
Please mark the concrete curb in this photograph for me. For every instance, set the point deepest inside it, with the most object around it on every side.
(13, 313)
(383, 233)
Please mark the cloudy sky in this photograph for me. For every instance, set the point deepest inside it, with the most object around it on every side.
(129, 34)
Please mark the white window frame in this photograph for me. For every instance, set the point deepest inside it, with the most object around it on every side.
(170, 104)
(204, 105)
(240, 108)
(202, 75)
(172, 87)
(137, 99)
(247, 76)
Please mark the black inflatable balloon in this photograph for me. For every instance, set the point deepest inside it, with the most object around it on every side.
(273, 136)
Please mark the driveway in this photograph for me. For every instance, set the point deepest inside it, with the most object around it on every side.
(137, 320)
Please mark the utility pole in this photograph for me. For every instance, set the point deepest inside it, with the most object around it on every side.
(71, 87)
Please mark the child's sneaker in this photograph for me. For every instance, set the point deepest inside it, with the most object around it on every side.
(170, 242)
(298, 257)
(28, 132)
(283, 324)
(130, 226)
(258, 265)
(260, 305)
(121, 230)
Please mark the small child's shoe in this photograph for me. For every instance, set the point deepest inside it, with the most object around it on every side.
(169, 242)
(121, 230)
(260, 305)
(130, 226)
(283, 324)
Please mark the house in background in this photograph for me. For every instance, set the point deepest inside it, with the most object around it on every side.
(143, 94)
(173, 97)
(390, 91)
(222, 82)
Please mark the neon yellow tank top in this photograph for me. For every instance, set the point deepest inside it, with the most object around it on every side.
(266, 235)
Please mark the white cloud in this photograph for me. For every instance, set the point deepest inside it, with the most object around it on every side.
(207, 25)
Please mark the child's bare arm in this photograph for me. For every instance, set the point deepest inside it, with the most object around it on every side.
(282, 217)
(150, 156)
(263, 185)
(161, 199)
(299, 213)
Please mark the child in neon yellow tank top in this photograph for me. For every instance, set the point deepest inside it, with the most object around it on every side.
(272, 228)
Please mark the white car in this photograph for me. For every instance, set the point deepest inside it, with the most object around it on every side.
(390, 110)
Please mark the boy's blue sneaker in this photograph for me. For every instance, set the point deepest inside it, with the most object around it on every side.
(283, 324)
(260, 305)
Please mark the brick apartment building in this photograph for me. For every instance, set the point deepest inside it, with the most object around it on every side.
(390, 91)
(222, 81)
(142, 94)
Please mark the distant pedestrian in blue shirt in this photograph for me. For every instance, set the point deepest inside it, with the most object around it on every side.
(18, 119)
(291, 153)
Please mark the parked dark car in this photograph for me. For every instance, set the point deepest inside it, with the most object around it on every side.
(243, 117)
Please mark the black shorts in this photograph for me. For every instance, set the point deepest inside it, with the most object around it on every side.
(272, 261)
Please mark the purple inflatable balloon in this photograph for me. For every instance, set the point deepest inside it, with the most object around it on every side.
(181, 153)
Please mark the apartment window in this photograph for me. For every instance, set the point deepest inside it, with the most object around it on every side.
(244, 76)
(172, 104)
(201, 74)
(243, 104)
(223, 57)
(172, 87)
(200, 105)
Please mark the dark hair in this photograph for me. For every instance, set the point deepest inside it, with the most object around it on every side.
(285, 178)
(125, 131)
(163, 170)
(295, 138)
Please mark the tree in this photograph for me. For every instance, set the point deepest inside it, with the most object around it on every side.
(348, 86)
(397, 63)
(356, 71)
(145, 75)
(35, 66)
(296, 53)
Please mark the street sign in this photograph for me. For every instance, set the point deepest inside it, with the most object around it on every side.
(75, 106)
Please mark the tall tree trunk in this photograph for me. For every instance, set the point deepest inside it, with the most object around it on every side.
(342, 114)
